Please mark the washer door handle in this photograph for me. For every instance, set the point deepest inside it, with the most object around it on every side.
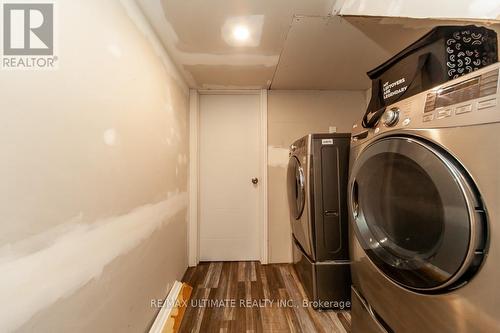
(355, 198)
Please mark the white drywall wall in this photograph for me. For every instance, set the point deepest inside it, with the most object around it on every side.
(94, 177)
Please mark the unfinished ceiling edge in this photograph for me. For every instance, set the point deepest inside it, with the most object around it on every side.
(476, 10)
(271, 81)
(395, 19)
(153, 14)
(230, 88)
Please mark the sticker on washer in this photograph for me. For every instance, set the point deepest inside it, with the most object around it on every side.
(327, 141)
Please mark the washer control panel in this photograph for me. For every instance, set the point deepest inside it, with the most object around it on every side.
(476, 93)
(472, 99)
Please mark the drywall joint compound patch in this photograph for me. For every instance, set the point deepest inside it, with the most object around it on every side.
(70, 257)
(277, 157)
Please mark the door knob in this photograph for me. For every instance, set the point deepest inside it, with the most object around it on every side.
(255, 180)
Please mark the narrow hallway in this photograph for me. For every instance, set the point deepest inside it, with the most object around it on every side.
(250, 297)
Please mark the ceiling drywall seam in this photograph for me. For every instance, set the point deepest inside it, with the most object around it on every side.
(295, 18)
(270, 82)
(337, 7)
(336, 4)
(228, 59)
(156, 13)
(138, 17)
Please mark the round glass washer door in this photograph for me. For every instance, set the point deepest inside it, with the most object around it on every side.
(415, 213)
(296, 187)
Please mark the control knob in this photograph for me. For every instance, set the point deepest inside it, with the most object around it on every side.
(390, 117)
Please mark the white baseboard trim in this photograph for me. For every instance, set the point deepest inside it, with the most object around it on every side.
(166, 310)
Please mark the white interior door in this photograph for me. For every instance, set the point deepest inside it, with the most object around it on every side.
(228, 160)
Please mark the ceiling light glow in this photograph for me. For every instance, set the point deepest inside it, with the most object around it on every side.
(241, 33)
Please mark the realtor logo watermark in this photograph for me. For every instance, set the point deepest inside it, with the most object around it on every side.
(28, 36)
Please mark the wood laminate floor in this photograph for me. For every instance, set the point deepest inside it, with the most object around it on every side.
(250, 297)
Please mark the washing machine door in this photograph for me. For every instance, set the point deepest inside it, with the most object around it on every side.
(416, 214)
(296, 188)
(299, 218)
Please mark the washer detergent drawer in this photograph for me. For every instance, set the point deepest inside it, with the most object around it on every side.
(363, 319)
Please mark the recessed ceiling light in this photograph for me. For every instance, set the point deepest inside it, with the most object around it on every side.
(241, 33)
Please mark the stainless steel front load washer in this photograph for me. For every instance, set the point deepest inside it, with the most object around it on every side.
(317, 194)
(424, 201)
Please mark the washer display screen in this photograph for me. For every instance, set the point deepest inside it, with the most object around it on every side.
(462, 92)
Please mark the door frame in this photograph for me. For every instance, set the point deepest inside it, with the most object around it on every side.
(194, 160)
